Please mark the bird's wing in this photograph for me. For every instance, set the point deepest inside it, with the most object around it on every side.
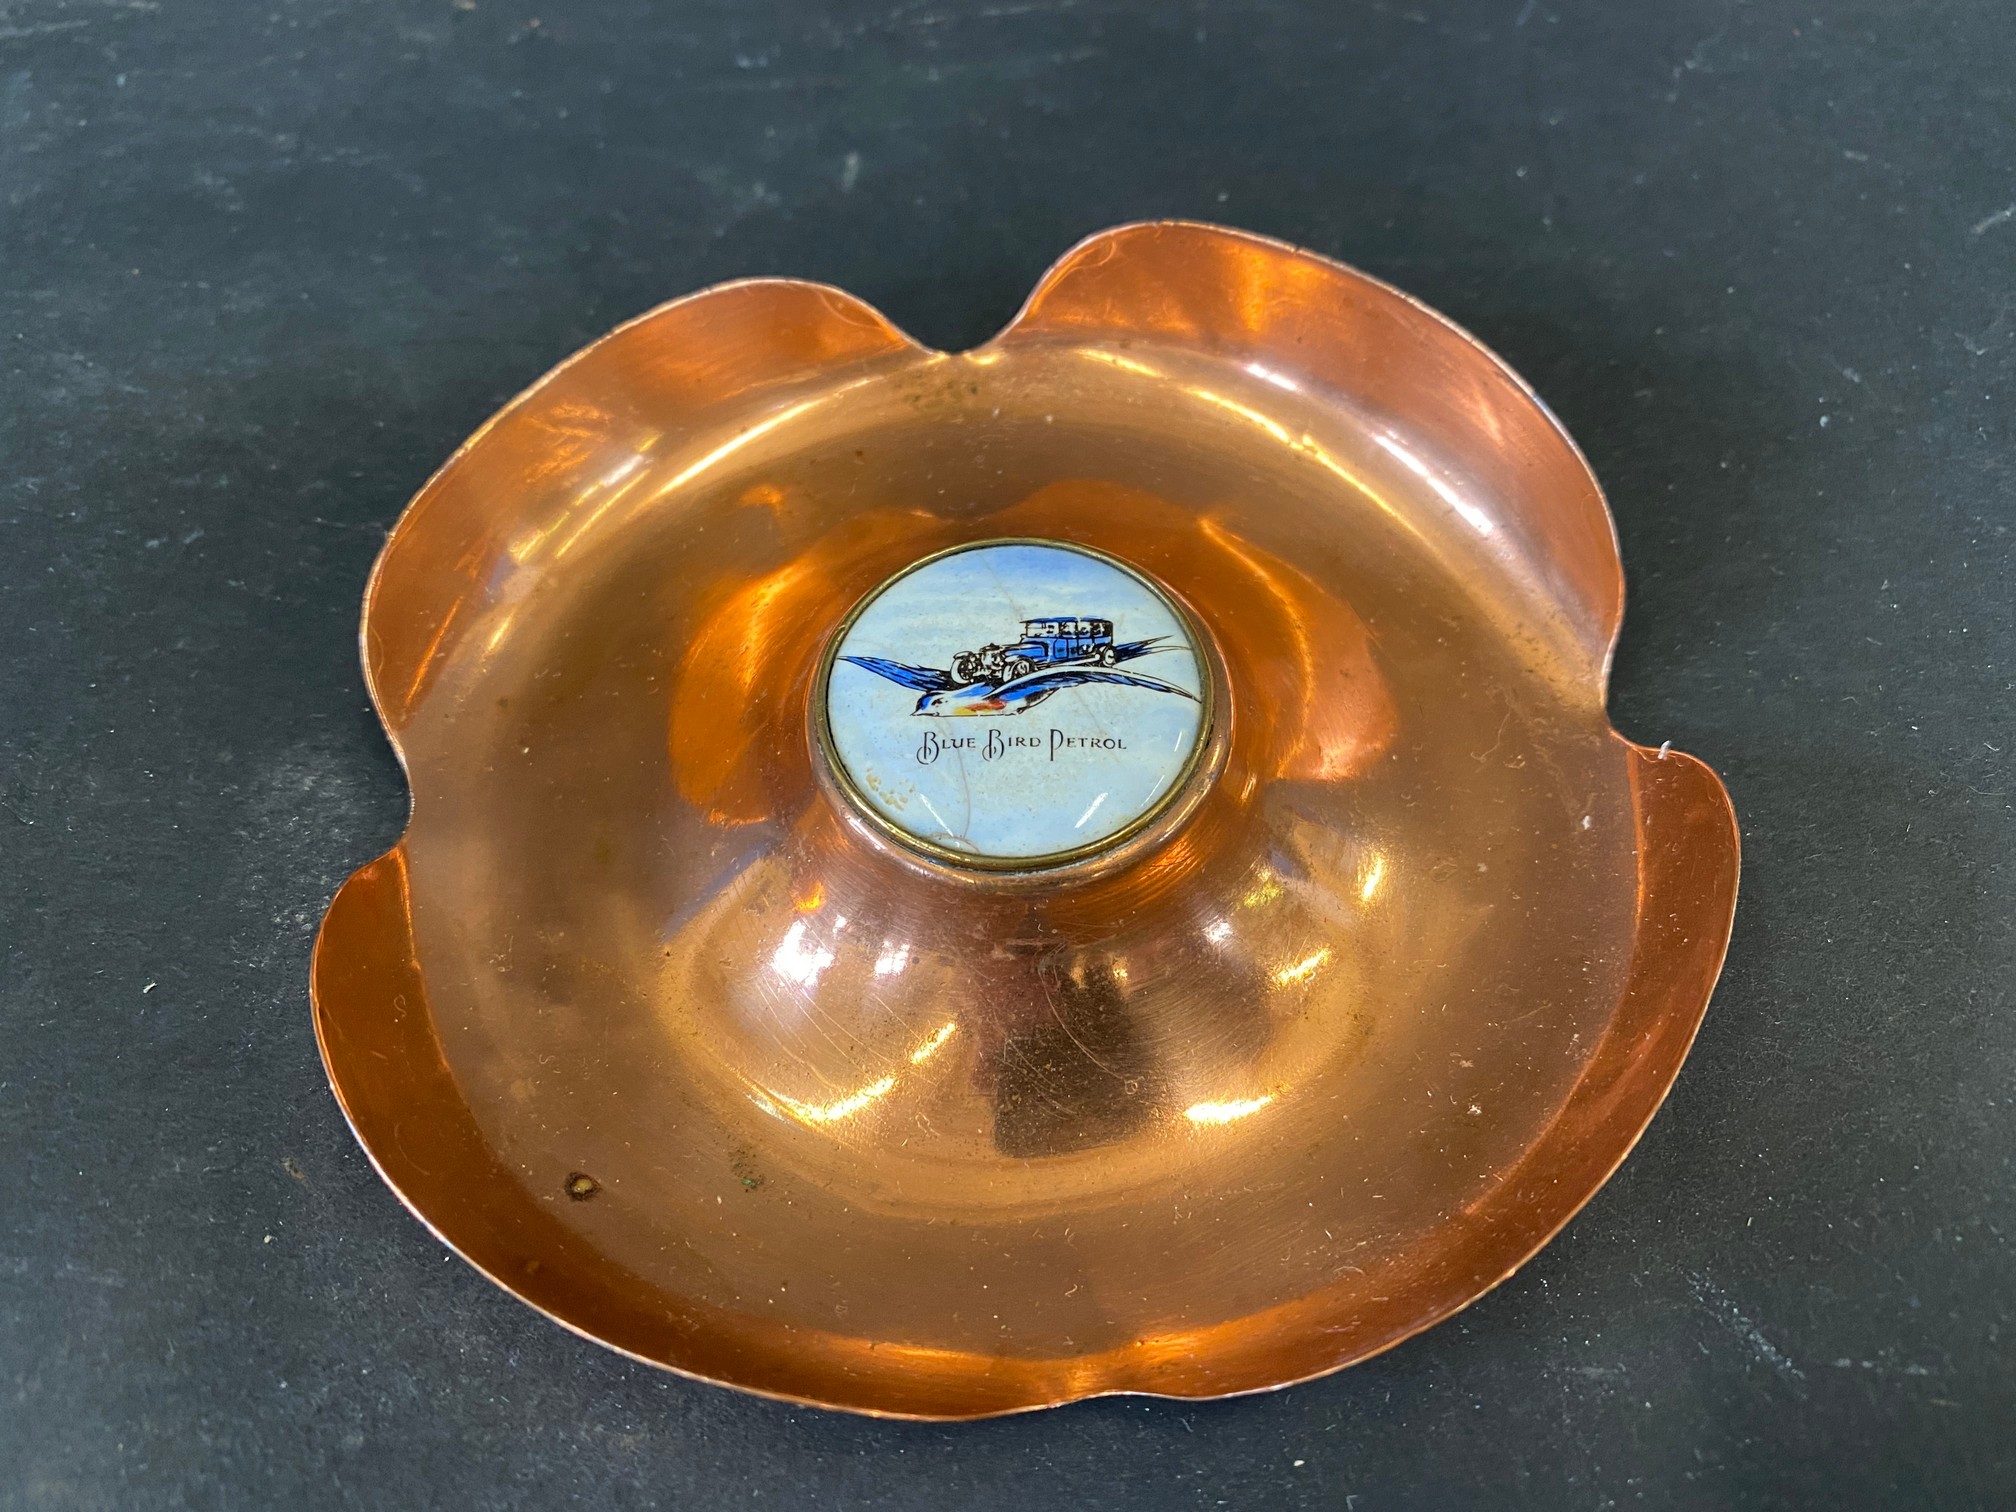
(1044, 683)
(1132, 649)
(923, 679)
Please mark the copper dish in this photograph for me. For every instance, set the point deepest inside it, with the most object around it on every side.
(1305, 1071)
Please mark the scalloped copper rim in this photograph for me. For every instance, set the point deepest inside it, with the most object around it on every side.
(1307, 1076)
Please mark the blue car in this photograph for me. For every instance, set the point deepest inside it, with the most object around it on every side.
(1052, 641)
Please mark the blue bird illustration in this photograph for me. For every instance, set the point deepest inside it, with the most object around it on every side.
(945, 695)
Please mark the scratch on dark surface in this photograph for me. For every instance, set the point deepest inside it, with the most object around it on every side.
(1748, 1334)
(1697, 60)
(1990, 222)
(984, 13)
(39, 29)
(1884, 1367)
(1035, 8)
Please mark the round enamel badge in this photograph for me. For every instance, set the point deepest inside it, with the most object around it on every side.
(1014, 704)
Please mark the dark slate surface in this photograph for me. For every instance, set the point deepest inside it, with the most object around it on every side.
(263, 266)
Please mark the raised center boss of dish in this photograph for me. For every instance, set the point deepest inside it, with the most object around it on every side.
(1014, 704)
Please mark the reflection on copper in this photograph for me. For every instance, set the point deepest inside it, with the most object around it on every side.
(1396, 447)
(821, 1113)
(1374, 875)
(614, 487)
(934, 1044)
(1302, 970)
(1326, 1058)
(742, 650)
(428, 662)
(599, 492)
(1265, 888)
(1303, 442)
(570, 434)
(1274, 376)
(777, 1103)
(710, 460)
(799, 961)
(1226, 1112)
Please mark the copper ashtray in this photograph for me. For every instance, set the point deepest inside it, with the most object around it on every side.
(747, 992)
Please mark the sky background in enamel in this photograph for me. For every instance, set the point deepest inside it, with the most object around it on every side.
(1023, 803)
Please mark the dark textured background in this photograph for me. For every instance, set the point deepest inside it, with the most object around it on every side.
(262, 266)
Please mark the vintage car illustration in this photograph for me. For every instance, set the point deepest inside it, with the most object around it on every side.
(1054, 653)
(1053, 641)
